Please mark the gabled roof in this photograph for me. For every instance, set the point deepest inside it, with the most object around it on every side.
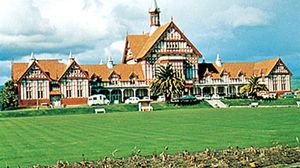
(68, 67)
(262, 68)
(19, 70)
(124, 70)
(52, 67)
(55, 70)
(141, 45)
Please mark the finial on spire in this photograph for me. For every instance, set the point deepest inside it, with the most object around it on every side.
(101, 61)
(172, 18)
(32, 56)
(32, 59)
(70, 55)
(218, 61)
(154, 6)
(110, 63)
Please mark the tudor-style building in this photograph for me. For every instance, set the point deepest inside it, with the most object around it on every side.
(52, 81)
(227, 78)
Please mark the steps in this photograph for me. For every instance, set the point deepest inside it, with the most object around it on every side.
(217, 104)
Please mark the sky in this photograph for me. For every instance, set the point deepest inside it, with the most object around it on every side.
(237, 30)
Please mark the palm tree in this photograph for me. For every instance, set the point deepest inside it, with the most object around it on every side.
(167, 83)
(253, 87)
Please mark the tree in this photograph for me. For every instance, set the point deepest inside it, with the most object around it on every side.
(253, 87)
(167, 83)
(8, 96)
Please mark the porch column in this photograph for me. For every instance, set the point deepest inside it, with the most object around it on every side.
(149, 92)
(202, 89)
(122, 95)
(110, 99)
(226, 90)
(215, 90)
(90, 92)
(237, 90)
(134, 92)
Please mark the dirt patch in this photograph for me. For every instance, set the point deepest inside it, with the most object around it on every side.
(279, 156)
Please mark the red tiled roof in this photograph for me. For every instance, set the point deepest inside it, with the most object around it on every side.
(140, 45)
(248, 69)
(124, 70)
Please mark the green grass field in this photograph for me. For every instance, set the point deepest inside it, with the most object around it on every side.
(44, 140)
(247, 102)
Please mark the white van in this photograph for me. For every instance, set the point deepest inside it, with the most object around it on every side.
(98, 100)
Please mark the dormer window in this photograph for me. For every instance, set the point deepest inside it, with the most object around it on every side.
(132, 79)
(114, 79)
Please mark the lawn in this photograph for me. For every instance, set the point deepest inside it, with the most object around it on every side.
(45, 139)
(247, 102)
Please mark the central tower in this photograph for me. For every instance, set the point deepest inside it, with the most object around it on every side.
(154, 12)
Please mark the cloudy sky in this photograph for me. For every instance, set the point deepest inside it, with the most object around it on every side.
(239, 30)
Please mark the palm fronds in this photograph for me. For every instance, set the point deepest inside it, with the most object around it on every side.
(167, 83)
(253, 87)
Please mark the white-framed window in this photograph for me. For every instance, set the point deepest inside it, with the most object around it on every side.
(283, 83)
(79, 89)
(29, 90)
(68, 90)
(40, 90)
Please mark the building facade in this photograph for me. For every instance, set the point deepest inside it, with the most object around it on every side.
(52, 81)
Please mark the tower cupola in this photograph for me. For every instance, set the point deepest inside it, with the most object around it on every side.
(154, 12)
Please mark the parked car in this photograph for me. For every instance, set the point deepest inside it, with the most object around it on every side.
(188, 97)
(215, 96)
(98, 100)
(132, 100)
(161, 99)
(288, 95)
(207, 97)
(146, 98)
(198, 97)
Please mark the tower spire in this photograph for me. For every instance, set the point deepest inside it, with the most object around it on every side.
(154, 12)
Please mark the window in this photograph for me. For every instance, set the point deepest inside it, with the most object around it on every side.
(132, 80)
(28, 91)
(189, 71)
(283, 83)
(274, 83)
(79, 89)
(40, 90)
(68, 90)
(114, 80)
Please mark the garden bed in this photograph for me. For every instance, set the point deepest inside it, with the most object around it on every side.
(250, 157)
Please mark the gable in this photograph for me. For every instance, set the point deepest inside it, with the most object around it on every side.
(34, 72)
(74, 71)
(169, 39)
(133, 46)
(114, 76)
(173, 42)
(280, 68)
